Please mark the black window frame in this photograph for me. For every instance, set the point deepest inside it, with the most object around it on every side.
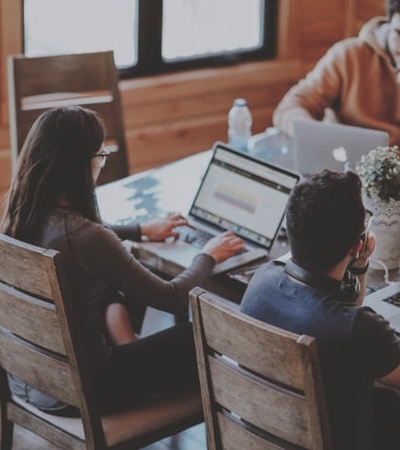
(150, 62)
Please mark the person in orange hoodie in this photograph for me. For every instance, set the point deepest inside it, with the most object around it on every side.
(358, 79)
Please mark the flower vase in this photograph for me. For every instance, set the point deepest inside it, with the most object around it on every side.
(386, 227)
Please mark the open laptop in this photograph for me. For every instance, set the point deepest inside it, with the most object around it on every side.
(386, 302)
(320, 145)
(238, 193)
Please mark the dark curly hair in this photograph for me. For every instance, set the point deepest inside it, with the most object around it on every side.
(324, 218)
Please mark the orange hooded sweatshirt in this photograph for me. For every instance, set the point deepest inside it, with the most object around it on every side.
(356, 79)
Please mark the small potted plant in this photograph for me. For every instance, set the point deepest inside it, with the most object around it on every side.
(379, 171)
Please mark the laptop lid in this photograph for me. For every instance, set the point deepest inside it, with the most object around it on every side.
(243, 194)
(321, 145)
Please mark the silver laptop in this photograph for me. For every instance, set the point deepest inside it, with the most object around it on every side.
(237, 193)
(386, 302)
(320, 145)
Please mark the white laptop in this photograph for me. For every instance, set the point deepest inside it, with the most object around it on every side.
(238, 193)
(386, 302)
(320, 145)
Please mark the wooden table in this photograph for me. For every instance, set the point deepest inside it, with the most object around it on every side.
(171, 188)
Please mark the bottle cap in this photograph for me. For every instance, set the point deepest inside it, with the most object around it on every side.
(240, 102)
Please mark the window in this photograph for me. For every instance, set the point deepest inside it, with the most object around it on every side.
(77, 26)
(153, 36)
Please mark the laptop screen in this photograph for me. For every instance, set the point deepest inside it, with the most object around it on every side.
(319, 145)
(243, 194)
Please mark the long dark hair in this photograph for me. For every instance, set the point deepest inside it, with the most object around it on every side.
(55, 161)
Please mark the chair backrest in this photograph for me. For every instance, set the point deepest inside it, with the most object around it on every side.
(39, 337)
(36, 84)
(261, 386)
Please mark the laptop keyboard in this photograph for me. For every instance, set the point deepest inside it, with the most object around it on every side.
(393, 300)
(198, 238)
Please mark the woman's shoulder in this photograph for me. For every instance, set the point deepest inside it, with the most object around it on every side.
(78, 227)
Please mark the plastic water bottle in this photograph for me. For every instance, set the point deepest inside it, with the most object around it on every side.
(239, 125)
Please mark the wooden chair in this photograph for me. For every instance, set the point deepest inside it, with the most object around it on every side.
(261, 386)
(36, 84)
(40, 344)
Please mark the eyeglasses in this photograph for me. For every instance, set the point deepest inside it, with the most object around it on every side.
(103, 157)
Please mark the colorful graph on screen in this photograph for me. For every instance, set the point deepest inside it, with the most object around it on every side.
(234, 197)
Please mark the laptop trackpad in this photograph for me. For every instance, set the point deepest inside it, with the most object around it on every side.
(239, 260)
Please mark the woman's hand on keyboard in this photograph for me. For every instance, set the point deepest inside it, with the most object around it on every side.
(163, 228)
(224, 246)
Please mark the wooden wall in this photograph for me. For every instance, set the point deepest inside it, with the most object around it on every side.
(169, 116)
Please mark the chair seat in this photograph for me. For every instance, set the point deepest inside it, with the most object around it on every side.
(129, 424)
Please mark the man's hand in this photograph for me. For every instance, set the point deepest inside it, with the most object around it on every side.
(366, 251)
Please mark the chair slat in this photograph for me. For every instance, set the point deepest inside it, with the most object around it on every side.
(250, 351)
(38, 368)
(234, 435)
(32, 319)
(25, 261)
(285, 416)
(39, 426)
(45, 101)
(74, 68)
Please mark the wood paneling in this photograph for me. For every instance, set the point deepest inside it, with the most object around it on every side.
(10, 42)
(365, 9)
(167, 117)
(5, 170)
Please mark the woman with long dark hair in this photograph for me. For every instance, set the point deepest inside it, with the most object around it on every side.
(52, 204)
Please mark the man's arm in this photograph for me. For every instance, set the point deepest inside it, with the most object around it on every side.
(311, 96)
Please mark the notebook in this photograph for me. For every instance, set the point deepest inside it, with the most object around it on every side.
(386, 302)
(236, 193)
(320, 145)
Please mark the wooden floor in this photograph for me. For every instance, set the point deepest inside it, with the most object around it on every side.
(192, 439)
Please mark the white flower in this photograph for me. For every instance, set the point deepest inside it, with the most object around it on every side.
(379, 171)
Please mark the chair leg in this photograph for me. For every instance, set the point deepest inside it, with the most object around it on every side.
(6, 426)
(6, 434)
